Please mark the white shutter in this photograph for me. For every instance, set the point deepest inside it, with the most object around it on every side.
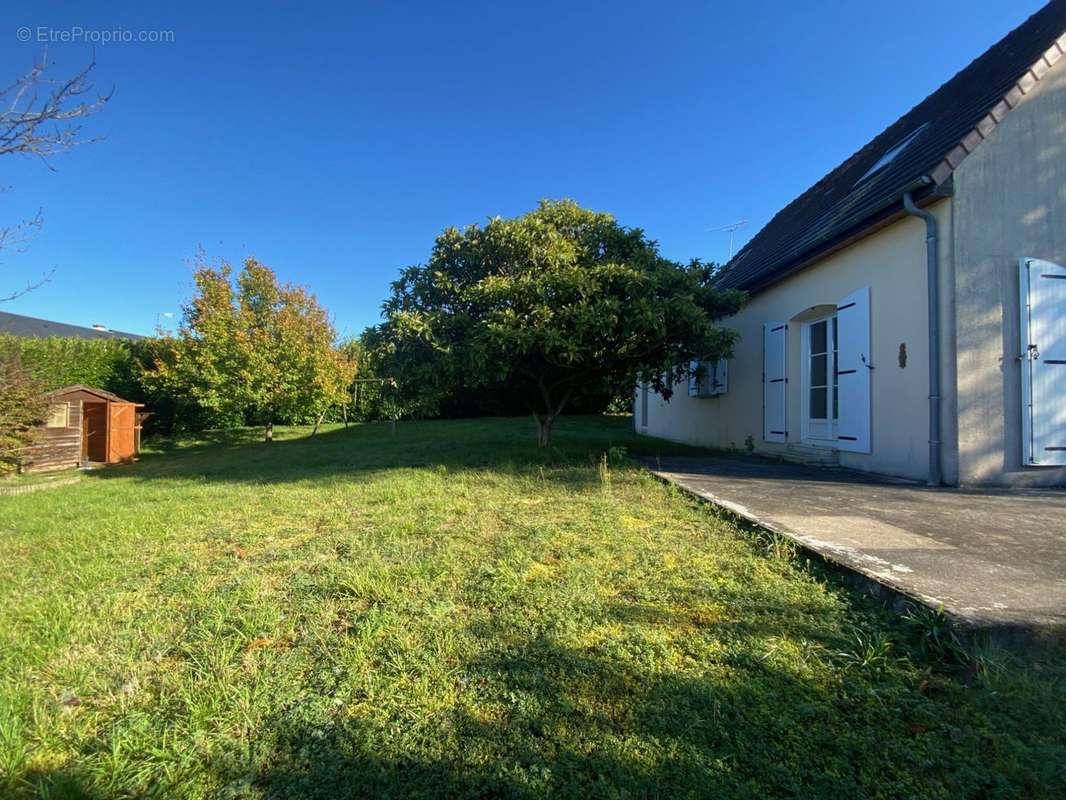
(1043, 316)
(719, 377)
(693, 379)
(853, 372)
(774, 381)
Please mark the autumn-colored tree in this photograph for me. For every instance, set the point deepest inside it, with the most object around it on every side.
(252, 347)
(355, 356)
(22, 409)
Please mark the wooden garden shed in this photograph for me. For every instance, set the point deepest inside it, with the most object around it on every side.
(85, 426)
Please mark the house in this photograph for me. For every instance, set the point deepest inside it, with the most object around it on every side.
(907, 313)
(86, 425)
(31, 327)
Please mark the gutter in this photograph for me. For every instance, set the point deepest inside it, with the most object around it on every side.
(857, 228)
(932, 258)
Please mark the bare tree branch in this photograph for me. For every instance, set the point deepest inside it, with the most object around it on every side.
(40, 117)
(18, 236)
(29, 287)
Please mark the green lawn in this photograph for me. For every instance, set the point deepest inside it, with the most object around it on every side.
(449, 612)
(33, 478)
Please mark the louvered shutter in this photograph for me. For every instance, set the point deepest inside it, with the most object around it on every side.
(1043, 318)
(853, 372)
(775, 381)
(693, 379)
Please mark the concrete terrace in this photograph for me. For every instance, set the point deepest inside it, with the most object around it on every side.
(993, 559)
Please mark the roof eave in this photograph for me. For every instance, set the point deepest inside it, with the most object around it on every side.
(924, 191)
(938, 180)
(103, 394)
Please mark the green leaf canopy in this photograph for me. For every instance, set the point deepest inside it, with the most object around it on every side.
(551, 304)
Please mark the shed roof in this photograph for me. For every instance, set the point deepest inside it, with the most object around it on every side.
(32, 327)
(80, 387)
(921, 149)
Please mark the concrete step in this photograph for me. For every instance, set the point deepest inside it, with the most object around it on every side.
(812, 455)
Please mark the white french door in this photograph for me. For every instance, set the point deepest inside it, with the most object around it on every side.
(820, 399)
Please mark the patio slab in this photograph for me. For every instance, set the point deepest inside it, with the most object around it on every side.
(993, 559)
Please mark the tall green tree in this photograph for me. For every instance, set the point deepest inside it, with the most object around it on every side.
(251, 347)
(547, 306)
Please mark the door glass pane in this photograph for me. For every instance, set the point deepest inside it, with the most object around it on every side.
(836, 404)
(819, 370)
(818, 335)
(818, 403)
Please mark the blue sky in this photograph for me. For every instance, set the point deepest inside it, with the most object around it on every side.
(334, 141)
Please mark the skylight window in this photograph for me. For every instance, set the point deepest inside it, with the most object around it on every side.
(890, 156)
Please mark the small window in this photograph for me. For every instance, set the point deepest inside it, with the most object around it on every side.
(59, 416)
(708, 378)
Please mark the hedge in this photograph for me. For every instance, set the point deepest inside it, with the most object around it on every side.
(102, 363)
(116, 365)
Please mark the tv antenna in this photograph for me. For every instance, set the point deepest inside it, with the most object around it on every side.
(732, 227)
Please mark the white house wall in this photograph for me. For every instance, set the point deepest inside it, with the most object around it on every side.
(1010, 201)
(892, 263)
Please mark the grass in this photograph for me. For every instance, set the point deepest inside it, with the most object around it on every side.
(14, 480)
(449, 612)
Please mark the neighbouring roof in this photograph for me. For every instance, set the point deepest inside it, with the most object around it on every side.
(31, 327)
(918, 153)
(81, 387)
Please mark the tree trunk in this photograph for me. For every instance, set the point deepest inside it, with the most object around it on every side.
(544, 430)
(268, 433)
(318, 421)
(545, 416)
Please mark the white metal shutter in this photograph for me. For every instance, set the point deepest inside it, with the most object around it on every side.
(775, 381)
(853, 371)
(693, 379)
(1043, 316)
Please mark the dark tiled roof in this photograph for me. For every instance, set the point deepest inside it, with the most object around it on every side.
(940, 131)
(31, 327)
